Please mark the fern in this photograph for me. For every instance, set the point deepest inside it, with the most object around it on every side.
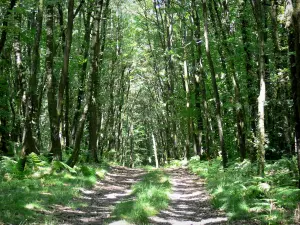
(58, 165)
(9, 168)
(34, 161)
(87, 171)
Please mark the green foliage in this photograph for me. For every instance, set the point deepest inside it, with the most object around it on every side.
(150, 194)
(242, 194)
(58, 166)
(28, 196)
(33, 161)
(88, 171)
(176, 163)
(9, 169)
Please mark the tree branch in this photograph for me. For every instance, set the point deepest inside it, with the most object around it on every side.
(78, 8)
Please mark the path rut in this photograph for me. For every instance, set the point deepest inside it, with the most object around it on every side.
(101, 199)
(189, 202)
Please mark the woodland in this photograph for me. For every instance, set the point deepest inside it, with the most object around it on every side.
(88, 86)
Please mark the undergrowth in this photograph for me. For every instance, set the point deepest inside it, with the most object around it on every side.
(30, 196)
(149, 196)
(241, 193)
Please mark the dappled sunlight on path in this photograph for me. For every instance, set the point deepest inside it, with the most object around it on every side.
(101, 200)
(189, 203)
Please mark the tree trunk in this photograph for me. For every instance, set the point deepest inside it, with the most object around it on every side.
(55, 148)
(215, 87)
(155, 151)
(78, 136)
(64, 82)
(251, 88)
(295, 60)
(93, 117)
(200, 88)
(29, 144)
(80, 95)
(131, 140)
(259, 14)
(239, 108)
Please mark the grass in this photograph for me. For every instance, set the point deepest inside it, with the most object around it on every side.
(29, 196)
(244, 195)
(149, 196)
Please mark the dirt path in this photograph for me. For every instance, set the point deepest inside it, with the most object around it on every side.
(101, 199)
(189, 203)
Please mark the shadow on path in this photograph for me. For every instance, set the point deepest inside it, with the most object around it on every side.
(190, 203)
(102, 198)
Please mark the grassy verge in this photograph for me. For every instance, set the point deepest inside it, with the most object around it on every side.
(29, 196)
(149, 197)
(271, 200)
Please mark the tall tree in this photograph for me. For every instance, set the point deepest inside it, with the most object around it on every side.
(31, 116)
(258, 10)
(55, 149)
(215, 86)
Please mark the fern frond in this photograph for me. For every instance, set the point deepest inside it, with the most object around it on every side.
(58, 165)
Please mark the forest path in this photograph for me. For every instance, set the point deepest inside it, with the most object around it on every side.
(189, 202)
(100, 200)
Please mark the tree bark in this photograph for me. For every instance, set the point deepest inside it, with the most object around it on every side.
(78, 136)
(260, 18)
(55, 148)
(29, 143)
(64, 82)
(200, 88)
(295, 71)
(81, 94)
(155, 150)
(251, 88)
(239, 108)
(215, 87)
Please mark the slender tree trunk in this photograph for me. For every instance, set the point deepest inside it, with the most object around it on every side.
(239, 111)
(131, 140)
(295, 60)
(215, 86)
(155, 150)
(27, 140)
(5, 113)
(55, 148)
(188, 121)
(78, 136)
(251, 89)
(80, 95)
(259, 14)
(93, 117)
(31, 115)
(200, 88)
(64, 81)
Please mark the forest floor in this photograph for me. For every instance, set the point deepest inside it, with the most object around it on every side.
(189, 201)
